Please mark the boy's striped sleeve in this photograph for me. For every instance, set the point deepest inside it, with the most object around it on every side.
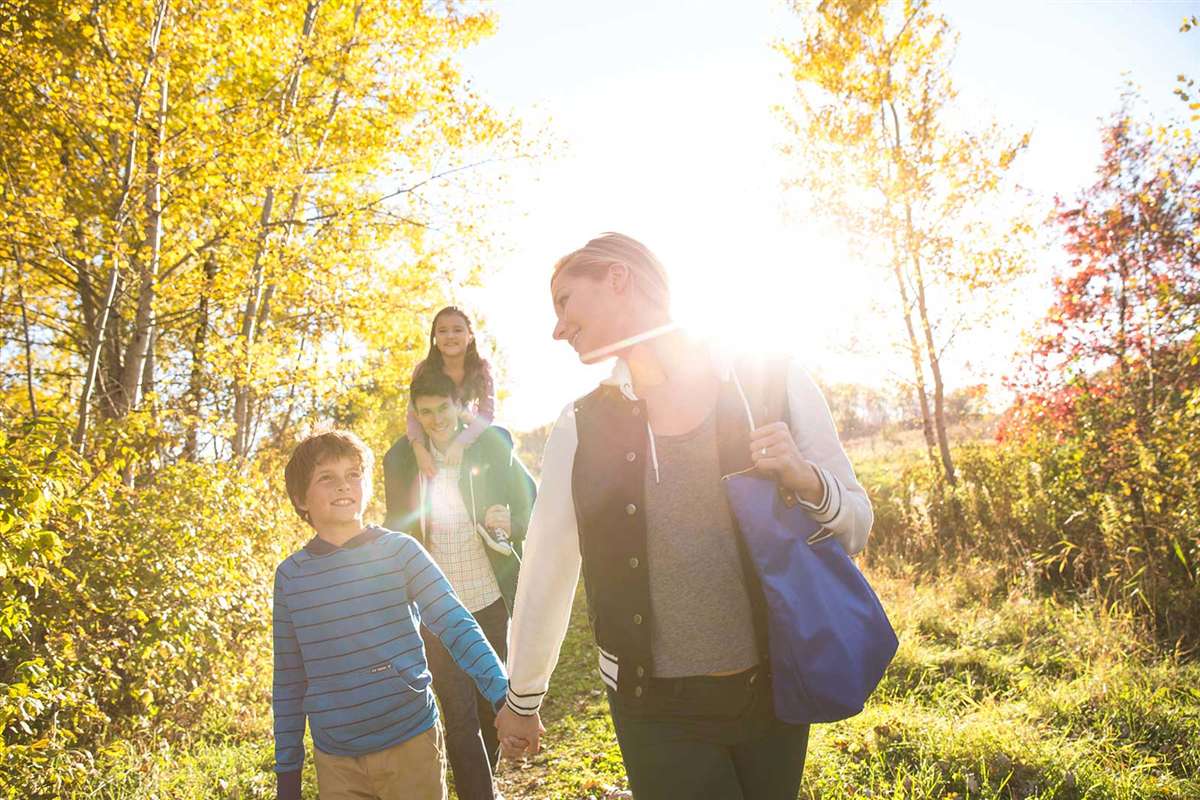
(287, 692)
(443, 614)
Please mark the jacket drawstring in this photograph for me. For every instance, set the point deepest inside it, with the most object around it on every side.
(745, 402)
(653, 452)
(421, 493)
(471, 483)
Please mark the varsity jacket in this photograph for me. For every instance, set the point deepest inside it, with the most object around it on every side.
(491, 475)
(589, 516)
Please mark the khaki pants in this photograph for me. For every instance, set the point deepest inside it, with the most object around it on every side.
(412, 770)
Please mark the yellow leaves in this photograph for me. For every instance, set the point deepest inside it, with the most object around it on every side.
(403, 106)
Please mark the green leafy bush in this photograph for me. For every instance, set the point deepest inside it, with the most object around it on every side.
(125, 611)
(1087, 502)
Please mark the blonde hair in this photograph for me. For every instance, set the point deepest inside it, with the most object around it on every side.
(595, 257)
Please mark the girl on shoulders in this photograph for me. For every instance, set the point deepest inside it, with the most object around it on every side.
(452, 351)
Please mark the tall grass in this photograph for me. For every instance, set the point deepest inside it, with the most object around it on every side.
(1113, 528)
(997, 692)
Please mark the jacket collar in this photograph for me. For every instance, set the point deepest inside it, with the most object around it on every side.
(723, 365)
(622, 376)
(320, 547)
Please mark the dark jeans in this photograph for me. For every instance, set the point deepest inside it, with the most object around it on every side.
(709, 737)
(469, 719)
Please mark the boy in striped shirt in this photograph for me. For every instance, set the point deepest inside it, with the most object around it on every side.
(348, 652)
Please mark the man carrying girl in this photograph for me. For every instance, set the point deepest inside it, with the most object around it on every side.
(455, 485)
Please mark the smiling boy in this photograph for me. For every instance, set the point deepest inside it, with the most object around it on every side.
(349, 658)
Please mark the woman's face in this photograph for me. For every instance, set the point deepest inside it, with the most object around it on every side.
(451, 335)
(590, 312)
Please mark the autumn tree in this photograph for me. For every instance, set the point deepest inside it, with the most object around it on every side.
(1186, 88)
(226, 217)
(220, 224)
(1108, 400)
(1126, 316)
(878, 149)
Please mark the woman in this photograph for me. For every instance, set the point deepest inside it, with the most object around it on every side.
(631, 493)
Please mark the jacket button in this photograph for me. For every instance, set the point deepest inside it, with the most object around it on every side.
(630, 456)
(641, 672)
(631, 509)
(637, 619)
(637, 410)
(637, 692)
(633, 563)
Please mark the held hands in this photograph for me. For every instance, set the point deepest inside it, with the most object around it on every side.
(454, 454)
(518, 733)
(498, 516)
(774, 451)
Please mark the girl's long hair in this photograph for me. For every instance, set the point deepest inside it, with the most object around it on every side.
(475, 367)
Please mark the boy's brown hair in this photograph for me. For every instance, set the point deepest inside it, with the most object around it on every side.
(313, 451)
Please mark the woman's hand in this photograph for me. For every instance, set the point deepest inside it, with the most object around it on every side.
(518, 733)
(424, 460)
(774, 451)
(498, 516)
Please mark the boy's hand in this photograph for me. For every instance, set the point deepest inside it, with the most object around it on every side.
(498, 516)
(424, 461)
(518, 733)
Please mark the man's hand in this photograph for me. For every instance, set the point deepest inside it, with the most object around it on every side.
(498, 516)
(518, 733)
(774, 451)
(424, 460)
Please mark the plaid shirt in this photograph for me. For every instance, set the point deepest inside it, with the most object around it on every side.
(453, 542)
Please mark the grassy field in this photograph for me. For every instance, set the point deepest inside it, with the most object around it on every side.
(996, 693)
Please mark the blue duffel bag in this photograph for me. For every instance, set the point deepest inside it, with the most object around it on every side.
(829, 639)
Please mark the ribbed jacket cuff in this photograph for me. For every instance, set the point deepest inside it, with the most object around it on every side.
(525, 705)
(830, 505)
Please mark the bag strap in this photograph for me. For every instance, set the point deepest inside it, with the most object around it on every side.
(762, 385)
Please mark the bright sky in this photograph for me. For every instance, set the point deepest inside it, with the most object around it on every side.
(661, 112)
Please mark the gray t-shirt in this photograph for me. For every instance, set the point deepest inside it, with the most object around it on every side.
(700, 611)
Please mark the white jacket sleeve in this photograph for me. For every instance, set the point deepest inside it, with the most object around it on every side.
(549, 574)
(844, 509)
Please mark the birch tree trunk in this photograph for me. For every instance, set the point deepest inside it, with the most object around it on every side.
(106, 318)
(136, 360)
(242, 394)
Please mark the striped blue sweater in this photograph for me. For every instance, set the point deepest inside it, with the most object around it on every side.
(348, 651)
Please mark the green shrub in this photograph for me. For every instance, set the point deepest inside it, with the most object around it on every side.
(125, 611)
(1093, 504)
